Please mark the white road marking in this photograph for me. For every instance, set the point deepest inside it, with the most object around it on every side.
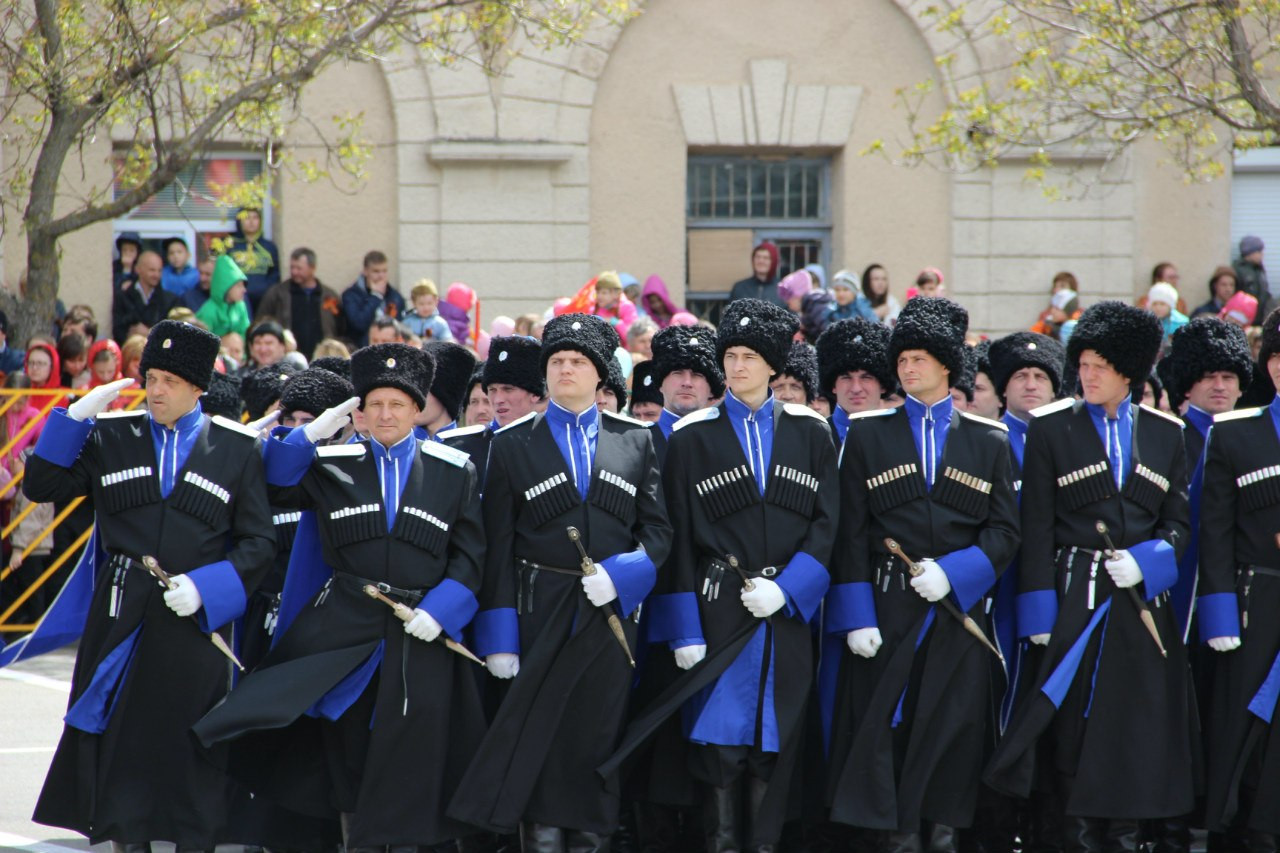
(35, 680)
(8, 841)
(25, 750)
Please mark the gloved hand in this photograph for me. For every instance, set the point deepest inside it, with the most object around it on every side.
(933, 584)
(184, 599)
(503, 665)
(92, 403)
(1224, 644)
(599, 587)
(1039, 639)
(688, 656)
(765, 600)
(423, 626)
(1123, 569)
(864, 642)
(331, 421)
(265, 422)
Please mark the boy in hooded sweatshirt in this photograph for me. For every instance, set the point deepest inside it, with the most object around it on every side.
(225, 311)
(256, 256)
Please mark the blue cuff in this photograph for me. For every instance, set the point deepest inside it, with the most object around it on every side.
(805, 582)
(452, 605)
(221, 594)
(62, 437)
(1036, 612)
(850, 606)
(970, 573)
(287, 461)
(673, 617)
(1159, 564)
(633, 575)
(497, 632)
(1219, 615)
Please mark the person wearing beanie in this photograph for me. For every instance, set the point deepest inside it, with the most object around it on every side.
(266, 344)
(937, 481)
(849, 302)
(347, 685)
(572, 468)
(646, 395)
(1222, 286)
(750, 489)
(612, 395)
(798, 382)
(686, 372)
(512, 381)
(853, 368)
(793, 288)
(454, 366)
(1239, 309)
(1162, 300)
(1109, 707)
(1251, 275)
(1239, 589)
(187, 489)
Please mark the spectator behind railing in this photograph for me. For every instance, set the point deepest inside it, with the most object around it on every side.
(131, 357)
(18, 416)
(656, 302)
(105, 362)
(45, 371)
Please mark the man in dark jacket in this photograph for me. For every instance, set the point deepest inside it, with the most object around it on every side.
(370, 297)
(303, 305)
(255, 255)
(142, 304)
(762, 283)
(1251, 275)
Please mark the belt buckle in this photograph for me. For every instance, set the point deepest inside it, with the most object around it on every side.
(384, 588)
(768, 571)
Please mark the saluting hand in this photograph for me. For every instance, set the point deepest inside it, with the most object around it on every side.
(92, 403)
(331, 421)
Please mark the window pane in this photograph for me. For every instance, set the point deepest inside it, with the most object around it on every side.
(741, 190)
(777, 191)
(812, 185)
(720, 191)
(198, 191)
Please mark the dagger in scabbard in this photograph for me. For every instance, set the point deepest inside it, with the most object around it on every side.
(152, 565)
(589, 569)
(1144, 612)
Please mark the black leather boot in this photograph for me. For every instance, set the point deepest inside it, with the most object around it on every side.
(586, 842)
(1082, 834)
(900, 842)
(537, 838)
(1121, 836)
(1169, 835)
(942, 839)
(722, 818)
(117, 847)
(756, 790)
(1262, 842)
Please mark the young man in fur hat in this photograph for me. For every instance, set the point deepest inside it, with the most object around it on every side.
(612, 395)
(646, 395)
(686, 372)
(853, 369)
(513, 383)
(751, 491)
(914, 700)
(454, 366)
(543, 621)
(170, 483)
(1239, 596)
(1110, 717)
(353, 709)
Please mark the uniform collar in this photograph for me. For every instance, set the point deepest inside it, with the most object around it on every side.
(735, 408)
(1100, 412)
(402, 449)
(941, 410)
(1198, 418)
(184, 423)
(559, 416)
(1015, 423)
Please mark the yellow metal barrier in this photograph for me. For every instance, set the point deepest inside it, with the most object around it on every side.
(134, 397)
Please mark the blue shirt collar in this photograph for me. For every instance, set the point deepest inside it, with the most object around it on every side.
(737, 409)
(1275, 408)
(1199, 418)
(560, 416)
(402, 449)
(840, 419)
(1015, 423)
(666, 420)
(191, 419)
(940, 410)
(1123, 411)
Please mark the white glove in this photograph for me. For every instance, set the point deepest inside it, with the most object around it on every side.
(503, 665)
(932, 585)
(599, 587)
(1124, 569)
(423, 626)
(331, 421)
(689, 656)
(765, 600)
(265, 422)
(1224, 644)
(864, 642)
(1039, 639)
(92, 403)
(184, 599)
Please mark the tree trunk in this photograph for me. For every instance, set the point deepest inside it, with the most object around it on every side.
(33, 314)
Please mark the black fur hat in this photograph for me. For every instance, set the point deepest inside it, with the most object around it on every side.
(936, 326)
(1153, 379)
(314, 390)
(262, 387)
(1204, 345)
(760, 326)
(802, 364)
(687, 348)
(334, 364)
(477, 378)
(513, 360)
(644, 383)
(223, 397)
(391, 365)
(454, 366)
(1125, 335)
(616, 383)
(969, 378)
(181, 349)
(585, 333)
(855, 344)
(1013, 352)
(1270, 342)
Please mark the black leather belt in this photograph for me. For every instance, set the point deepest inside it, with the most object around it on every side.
(357, 584)
(531, 566)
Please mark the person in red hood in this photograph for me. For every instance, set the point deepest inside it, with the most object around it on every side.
(105, 363)
(44, 369)
(656, 302)
(761, 284)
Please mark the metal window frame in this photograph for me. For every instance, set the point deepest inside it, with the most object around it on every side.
(202, 225)
(823, 219)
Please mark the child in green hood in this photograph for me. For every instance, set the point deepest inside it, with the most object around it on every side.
(225, 310)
